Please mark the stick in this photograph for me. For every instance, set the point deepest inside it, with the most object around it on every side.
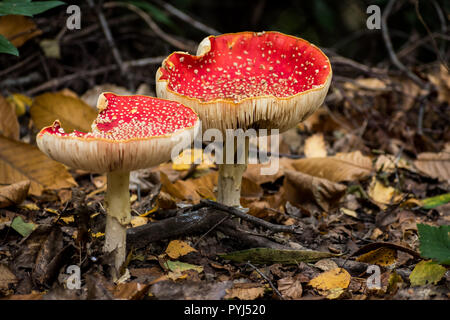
(267, 279)
(390, 49)
(186, 18)
(231, 210)
(156, 29)
(89, 73)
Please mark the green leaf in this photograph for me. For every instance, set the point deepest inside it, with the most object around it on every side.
(433, 202)
(26, 8)
(426, 272)
(177, 266)
(22, 227)
(435, 242)
(268, 255)
(7, 47)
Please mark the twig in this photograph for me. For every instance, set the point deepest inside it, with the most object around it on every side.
(109, 37)
(19, 64)
(270, 226)
(430, 34)
(265, 278)
(156, 29)
(89, 73)
(387, 40)
(186, 18)
(207, 232)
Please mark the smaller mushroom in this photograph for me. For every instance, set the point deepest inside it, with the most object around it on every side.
(129, 133)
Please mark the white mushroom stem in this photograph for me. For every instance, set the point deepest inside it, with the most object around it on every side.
(118, 216)
(230, 180)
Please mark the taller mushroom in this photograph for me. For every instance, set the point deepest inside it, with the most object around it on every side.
(129, 133)
(265, 80)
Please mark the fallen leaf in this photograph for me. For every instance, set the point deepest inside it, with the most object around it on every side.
(14, 193)
(301, 188)
(435, 165)
(177, 248)
(326, 264)
(20, 103)
(72, 112)
(389, 163)
(382, 256)
(130, 291)
(9, 126)
(22, 227)
(290, 288)
(138, 221)
(341, 167)
(18, 29)
(441, 80)
(268, 255)
(7, 278)
(188, 157)
(315, 146)
(334, 279)
(20, 161)
(245, 291)
(436, 201)
(435, 242)
(382, 195)
(192, 190)
(178, 267)
(426, 272)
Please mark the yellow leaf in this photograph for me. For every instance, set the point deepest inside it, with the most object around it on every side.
(382, 195)
(20, 161)
(426, 272)
(68, 219)
(98, 234)
(191, 156)
(138, 221)
(30, 206)
(334, 279)
(9, 126)
(177, 248)
(72, 112)
(18, 29)
(315, 146)
(20, 103)
(382, 256)
(149, 212)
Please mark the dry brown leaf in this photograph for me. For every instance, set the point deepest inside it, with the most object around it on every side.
(9, 126)
(301, 188)
(20, 161)
(341, 167)
(14, 193)
(73, 113)
(177, 248)
(334, 279)
(6, 278)
(388, 163)
(290, 288)
(315, 146)
(191, 190)
(435, 165)
(18, 29)
(130, 290)
(245, 291)
(382, 256)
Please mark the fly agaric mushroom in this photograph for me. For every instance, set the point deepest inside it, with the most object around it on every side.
(247, 80)
(129, 133)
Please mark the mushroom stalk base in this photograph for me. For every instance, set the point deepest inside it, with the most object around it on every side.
(229, 184)
(118, 216)
(230, 178)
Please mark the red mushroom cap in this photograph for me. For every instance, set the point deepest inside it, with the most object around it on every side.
(248, 80)
(129, 133)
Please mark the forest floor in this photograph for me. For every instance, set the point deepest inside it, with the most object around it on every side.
(357, 181)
